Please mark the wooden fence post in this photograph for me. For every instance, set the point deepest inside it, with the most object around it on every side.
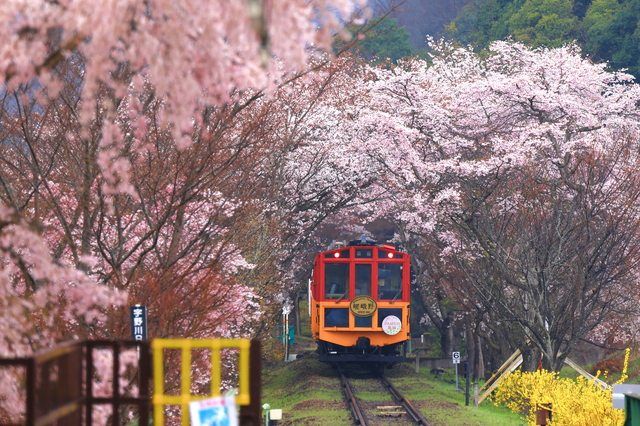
(543, 414)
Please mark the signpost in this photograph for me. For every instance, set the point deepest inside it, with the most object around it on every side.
(286, 310)
(455, 358)
(138, 322)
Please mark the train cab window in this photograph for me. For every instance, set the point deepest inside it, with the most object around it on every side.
(336, 280)
(364, 253)
(385, 312)
(363, 280)
(389, 281)
(336, 317)
(363, 321)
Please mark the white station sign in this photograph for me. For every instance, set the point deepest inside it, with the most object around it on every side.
(391, 325)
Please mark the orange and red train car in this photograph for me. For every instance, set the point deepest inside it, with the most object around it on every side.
(359, 302)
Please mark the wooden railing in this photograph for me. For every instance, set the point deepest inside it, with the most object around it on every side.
(59, 383)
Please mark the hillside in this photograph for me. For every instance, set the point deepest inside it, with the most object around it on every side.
(606, 30)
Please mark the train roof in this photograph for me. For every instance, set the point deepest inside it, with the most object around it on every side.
(363, 242)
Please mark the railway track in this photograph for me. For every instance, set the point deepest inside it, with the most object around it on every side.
(354, 404)
(412, 411)
(357, 410)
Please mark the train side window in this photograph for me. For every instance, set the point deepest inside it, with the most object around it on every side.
(389, 281)
(336, 280)
(363, 280)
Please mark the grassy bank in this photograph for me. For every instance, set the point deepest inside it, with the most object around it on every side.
(309, 393)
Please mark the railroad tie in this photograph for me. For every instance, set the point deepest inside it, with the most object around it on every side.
(390, 411)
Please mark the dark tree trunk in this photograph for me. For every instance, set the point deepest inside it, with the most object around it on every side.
(470, 340)
(530, 358)
(479, 369)
(296, 309)
(447, 338)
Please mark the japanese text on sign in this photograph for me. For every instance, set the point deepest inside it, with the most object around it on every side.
(138, 322)
(363, 306)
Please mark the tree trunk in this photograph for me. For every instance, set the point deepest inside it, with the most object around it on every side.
(479, 358)
(470, 340)
(447, 342)
(554, 364)
(296, 309)
(530, 358)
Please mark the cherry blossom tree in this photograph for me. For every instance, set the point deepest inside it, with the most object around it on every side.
(542, 139)
(129, 145)
(120, 53)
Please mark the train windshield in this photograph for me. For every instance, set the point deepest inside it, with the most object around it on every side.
(363, 279)
(389, 281)
(336, 280)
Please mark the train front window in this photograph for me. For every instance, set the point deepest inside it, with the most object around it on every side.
(389, 281)
(336, 280)
(366, 253)
(363, 280)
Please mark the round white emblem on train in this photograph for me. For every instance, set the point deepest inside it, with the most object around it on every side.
(391, 325)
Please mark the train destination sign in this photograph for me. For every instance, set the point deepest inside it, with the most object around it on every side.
(391, 325)
(363, 306)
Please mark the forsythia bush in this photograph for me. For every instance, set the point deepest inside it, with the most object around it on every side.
(579, 402)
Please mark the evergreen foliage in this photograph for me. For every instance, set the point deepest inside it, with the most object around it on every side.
(385, 40)
(607, 30)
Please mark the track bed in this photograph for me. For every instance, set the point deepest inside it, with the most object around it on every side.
(393, 409)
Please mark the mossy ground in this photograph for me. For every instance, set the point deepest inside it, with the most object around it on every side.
(309, 394)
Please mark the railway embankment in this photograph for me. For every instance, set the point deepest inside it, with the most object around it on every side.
(309, 393)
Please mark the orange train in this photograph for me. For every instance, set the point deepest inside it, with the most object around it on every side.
(359, 302)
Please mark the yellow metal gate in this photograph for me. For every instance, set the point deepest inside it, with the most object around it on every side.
(248, 396)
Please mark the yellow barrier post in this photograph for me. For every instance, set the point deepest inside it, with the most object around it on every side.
(160, 399)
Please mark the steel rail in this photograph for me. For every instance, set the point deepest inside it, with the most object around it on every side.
(412, 411)
(352, 401)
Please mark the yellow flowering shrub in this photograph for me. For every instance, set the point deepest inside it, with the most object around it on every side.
(579, 402)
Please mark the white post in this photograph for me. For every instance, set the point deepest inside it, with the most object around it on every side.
(286, 309)
(475, 394)
(266, 408)
(286, 337)
(457, 387)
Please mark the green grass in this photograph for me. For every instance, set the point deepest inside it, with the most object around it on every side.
(309, 394)
(442, 404)
(610, 377)
(307, 391)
